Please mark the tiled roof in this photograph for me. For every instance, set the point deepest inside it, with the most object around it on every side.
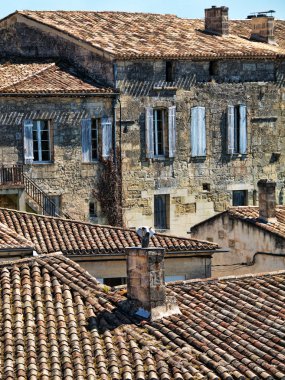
(57, 322)
(9, 239)
(50, 234)
(44, 78)
(250, 214)
(142, 35)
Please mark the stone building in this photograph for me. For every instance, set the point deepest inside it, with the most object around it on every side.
(253, 236)
(199, 114)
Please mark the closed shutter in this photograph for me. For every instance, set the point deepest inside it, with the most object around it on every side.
(198, 132)
(149, 146)
(28, 142)
(172, 131)
(242, 130)
(106, 136)
(86, 140)
(231, 130)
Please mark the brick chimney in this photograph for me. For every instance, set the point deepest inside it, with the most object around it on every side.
(267, 200)
(146, 284)
(263, 29)
(217, 20)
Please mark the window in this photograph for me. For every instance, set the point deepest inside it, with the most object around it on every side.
(114, 281)
(240, 198)
(160, 132)
(92, 131)
(92, 209)
(237, 130)
(169, 71)
(206, 187)
(161, 211)
(37, 141)
(213, 68)
(175, 278)
(52, 208)
(198, 132)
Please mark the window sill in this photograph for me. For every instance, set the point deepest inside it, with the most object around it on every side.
(90, 163)
(161, 230)
(41, 163)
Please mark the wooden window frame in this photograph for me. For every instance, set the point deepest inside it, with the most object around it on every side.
(156, 130)
(38, 122)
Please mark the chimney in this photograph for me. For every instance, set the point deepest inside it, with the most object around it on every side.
(267, 200)
(146, 284)
(217, 20)
(263, 29)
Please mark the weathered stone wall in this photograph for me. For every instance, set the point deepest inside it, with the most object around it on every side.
(66, 176)
(243, 241)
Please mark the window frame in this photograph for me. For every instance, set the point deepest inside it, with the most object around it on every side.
(245, 195)
(39, 141)
(97, 123)
(237, 130)
(163, 131)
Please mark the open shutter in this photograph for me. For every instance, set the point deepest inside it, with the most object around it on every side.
(106, 136)
(231, 130)
(242, 130)
(172, 131)
(28, 141)
(198, 132)
(86, 140)
(149, 148)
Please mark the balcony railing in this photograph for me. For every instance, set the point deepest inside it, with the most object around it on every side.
(11, 176)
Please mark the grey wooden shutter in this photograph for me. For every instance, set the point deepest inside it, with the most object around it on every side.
(242, 130)
(28, 141)
(149, 146)
(106, 136)
(172, 131)
(86, 140)
(198, 132)
(231, 130)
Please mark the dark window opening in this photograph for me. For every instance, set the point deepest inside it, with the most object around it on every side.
(213, 68)
(206, 186)
(240, 198)
(52, 208)
(158, 132)
(92, 210)
(169, 74)
(161, 211)
(95, 138)
(115, 281)
(237, 130)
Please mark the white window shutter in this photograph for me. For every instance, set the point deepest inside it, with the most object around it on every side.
(231, 130)
(86, 140)
(28, 141)
(198, 132)
(106, 136)
(149, 145)
(242, 130)
(172, 131)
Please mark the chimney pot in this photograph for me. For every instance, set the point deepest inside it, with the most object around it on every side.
(267, 200)
(217, 20)
(146, 284)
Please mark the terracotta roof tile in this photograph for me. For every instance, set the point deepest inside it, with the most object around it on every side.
(58, 322)
(22, 77)
(50, 234)
(9, 239)
(143, 35)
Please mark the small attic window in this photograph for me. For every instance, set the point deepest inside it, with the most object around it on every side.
(169, 71)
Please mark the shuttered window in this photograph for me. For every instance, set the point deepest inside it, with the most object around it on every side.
(161, 211)
(95, 132)
(160, 132)
(198, 132)
(237, 130)
(28, 142)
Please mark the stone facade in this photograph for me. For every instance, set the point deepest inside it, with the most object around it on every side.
(196, 187)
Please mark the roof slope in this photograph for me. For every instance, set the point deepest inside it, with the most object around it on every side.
(58, 323)
(144, 35)
(18, 77)
(9, 239)
(50, 234)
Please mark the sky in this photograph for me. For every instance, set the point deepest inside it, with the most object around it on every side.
(238, 9)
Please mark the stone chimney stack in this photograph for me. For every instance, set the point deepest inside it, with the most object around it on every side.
(146, 284)
(217, 20)
(267, 200)
(263, 29)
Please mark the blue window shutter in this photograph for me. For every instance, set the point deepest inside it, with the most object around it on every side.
(172, 131)
(86, 140)
(106, 136)
(28, 141)
(231, 130)
(149, 147)
(198, 132)
(242, 130)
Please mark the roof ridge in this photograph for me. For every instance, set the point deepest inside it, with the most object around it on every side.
(46, 68)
